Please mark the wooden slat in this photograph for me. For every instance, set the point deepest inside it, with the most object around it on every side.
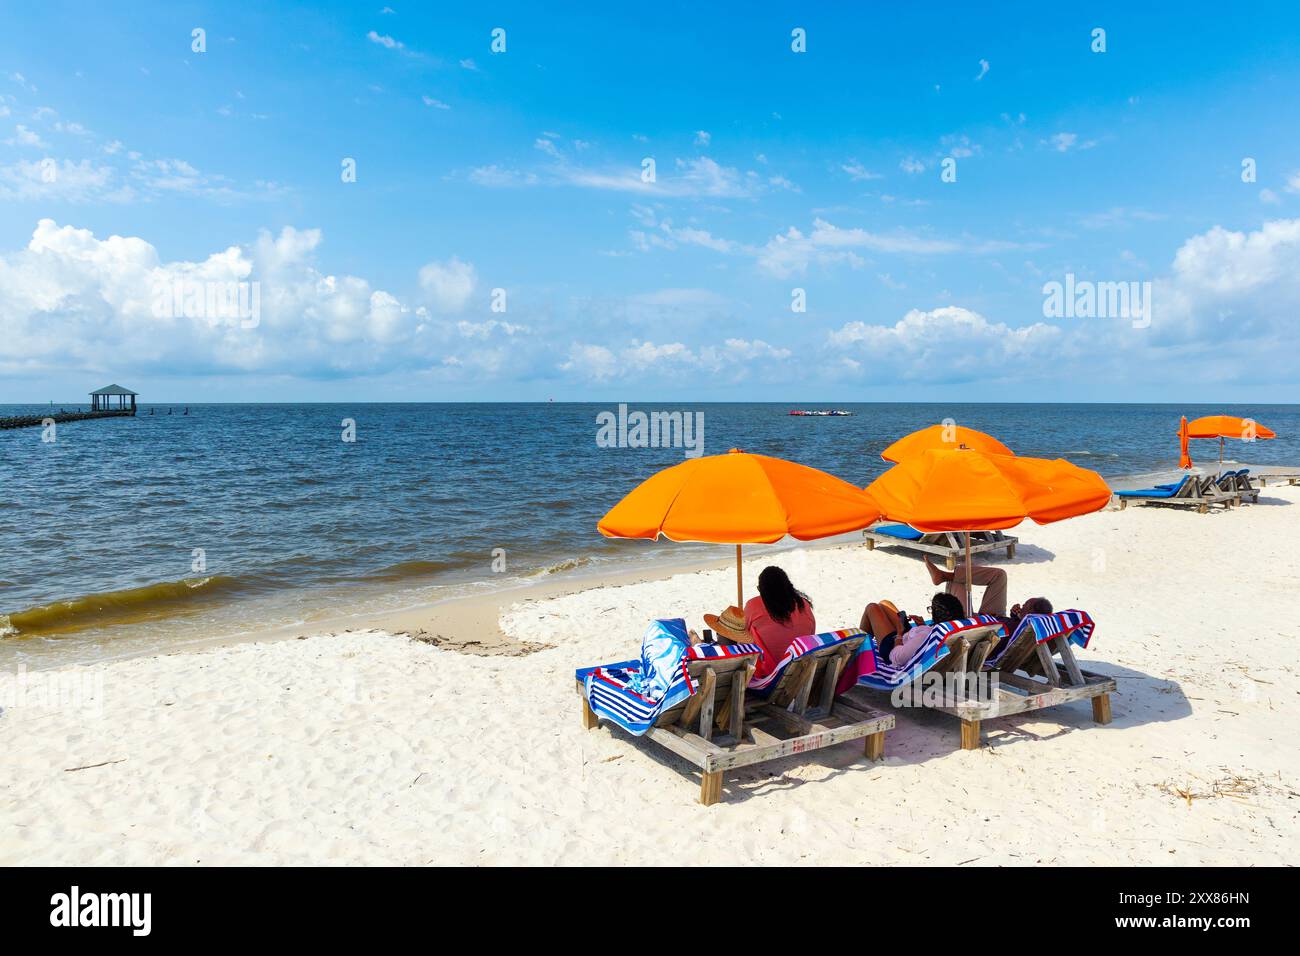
(1047, 665)
(708, 694)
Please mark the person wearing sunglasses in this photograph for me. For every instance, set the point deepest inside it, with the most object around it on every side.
(898, 636)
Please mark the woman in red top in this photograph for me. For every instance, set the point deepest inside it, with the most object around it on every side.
(776, 617)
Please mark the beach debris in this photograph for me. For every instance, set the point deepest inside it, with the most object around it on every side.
(1235, 785)
(92, 766)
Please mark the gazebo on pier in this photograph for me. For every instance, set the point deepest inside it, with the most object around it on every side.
(101, 399)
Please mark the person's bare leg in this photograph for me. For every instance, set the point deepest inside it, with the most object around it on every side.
(937, 575)
(879, 621)
(992, 580)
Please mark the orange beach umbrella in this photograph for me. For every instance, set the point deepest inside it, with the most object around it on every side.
(1185, 454)
(739, 498)
(1228, 426)
(943, 438)
(966, 490)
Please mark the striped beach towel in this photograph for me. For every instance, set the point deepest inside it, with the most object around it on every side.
(762, 687)
(1074, 626)
(887, 677)
(610, 692)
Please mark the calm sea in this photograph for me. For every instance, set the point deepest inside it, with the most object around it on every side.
(161, 528)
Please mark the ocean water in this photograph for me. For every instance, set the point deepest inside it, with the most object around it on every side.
(162, 528)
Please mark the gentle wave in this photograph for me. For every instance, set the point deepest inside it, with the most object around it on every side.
(569, 564)
(128, 606)
(411, 569)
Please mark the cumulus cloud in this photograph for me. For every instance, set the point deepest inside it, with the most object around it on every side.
(733, 360)
(71, 300)
(1224, 312)
(963, 343)
(449, 285)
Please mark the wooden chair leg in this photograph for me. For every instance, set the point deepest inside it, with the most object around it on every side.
(970, 735)
(1101, 708)
(875, 747)
(589, 719)
(711, 788)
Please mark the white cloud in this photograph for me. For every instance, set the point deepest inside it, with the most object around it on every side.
(449, 284)
(72, 301)
(702, 137)
(857, 172)
(547, 146)
(792, 252)
(911, 165)
(385, 41)
(435, 103)
(734, 360)
(63, 180)
(501, 177)
(1223, 261)
(984, 69)
(1223, 314)
(484, 330)
(1064, 142)
(691, 178)
(26, 137)
(961, 342)
(1293, 183)
(469, 64)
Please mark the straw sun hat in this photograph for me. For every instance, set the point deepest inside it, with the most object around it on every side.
(730, 623)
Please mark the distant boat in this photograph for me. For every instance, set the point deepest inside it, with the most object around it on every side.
(821, 413)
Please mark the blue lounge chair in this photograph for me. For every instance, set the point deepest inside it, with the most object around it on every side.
(1190, 492)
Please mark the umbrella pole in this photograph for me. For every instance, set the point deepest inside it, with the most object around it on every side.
(740, 584)
(1220, 454)
(968, 611)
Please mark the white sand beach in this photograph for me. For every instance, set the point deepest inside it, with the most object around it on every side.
(369, 747)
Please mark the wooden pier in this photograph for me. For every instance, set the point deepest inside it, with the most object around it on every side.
(101, 406)
(34, 421)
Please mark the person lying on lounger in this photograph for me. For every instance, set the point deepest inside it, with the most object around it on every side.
(899, 636)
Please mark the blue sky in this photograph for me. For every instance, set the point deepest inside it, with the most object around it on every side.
(775, 171)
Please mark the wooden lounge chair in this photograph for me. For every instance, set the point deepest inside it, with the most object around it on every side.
(949, 545)
(1024, 677)
(1190, 492)
(959, 664)
(1217, 494)
(1239, 481)
(1031, 678)
(719, 729)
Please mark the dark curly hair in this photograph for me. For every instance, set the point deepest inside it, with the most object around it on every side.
(946, 607)
(779, 595)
